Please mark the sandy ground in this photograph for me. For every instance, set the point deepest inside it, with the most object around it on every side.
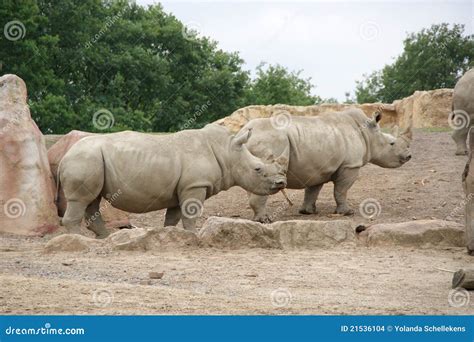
(350, 280)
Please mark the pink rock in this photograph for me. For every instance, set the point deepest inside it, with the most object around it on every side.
(26, 184)
(114, 218)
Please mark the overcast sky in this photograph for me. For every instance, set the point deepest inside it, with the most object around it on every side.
(334, 43)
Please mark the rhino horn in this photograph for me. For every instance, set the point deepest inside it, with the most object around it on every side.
(395, 131)
(408, 132)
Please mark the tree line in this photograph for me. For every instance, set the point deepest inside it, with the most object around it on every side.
(149, 72)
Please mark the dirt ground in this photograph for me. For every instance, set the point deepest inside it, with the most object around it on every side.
(350, 280)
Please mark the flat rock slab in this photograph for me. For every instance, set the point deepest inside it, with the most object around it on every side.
(422, 233)
(223, 232)
(305, 234)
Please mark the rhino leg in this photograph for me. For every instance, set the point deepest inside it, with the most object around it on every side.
(258, 205)
(310, 196)
(172, 216)
(342, 183)
(94, 219)
(191, 204)
(73, 216)
(459, 136)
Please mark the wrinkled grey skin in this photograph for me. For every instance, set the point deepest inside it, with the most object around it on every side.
(468, 186)
(463, 101)
(330, 147)
(139, 173)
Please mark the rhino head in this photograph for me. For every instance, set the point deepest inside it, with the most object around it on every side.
(259, 176)
(388, 150)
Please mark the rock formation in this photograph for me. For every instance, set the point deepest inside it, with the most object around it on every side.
(26, 185)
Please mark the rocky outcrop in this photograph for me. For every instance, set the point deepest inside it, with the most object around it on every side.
(423, 108)
(422, 233)
(114, 218)
(26, 185)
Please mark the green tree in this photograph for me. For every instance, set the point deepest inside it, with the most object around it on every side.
(432, 58)
(274, 84)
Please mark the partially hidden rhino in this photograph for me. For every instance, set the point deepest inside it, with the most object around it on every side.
(462, 117)
(139, 173)
(331, 147)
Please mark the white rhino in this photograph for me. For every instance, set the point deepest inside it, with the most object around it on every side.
(329, 147)
(463, 111)
(139, 172)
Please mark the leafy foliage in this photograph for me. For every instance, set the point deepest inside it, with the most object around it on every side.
(432, 58)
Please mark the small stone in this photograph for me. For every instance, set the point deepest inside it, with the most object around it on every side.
(413, 218)
(67, 262)
(156, 275)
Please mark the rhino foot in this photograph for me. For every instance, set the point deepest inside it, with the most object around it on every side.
(304, 211)
(263, 219)
(461, 153)
(345, 211)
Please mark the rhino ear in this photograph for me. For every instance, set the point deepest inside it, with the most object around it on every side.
(242, 138)
(377, 116)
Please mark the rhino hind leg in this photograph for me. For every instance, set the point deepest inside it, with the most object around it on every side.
(310, 196)
(73, 216)
(259, 207)
(460, 136)
(342, 183)
(94, 219)
(172, 216)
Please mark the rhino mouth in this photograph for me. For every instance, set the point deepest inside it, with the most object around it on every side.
(403, 160)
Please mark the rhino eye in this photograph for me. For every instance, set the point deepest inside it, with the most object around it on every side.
(392, 143)
(258, 169)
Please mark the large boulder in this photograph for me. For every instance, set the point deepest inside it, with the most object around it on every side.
(425, 108)
(26, 185)
(114, 218)
(422, 233)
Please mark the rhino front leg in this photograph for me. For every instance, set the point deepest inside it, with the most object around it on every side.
(259, 207)
(94, 219)
(310, 196)
(191, 203)
(342, 183)
(459, 136)
(172, 217)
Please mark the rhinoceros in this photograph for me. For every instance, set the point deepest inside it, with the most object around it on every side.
(139, 172)
(462, 117)
(329, 147)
